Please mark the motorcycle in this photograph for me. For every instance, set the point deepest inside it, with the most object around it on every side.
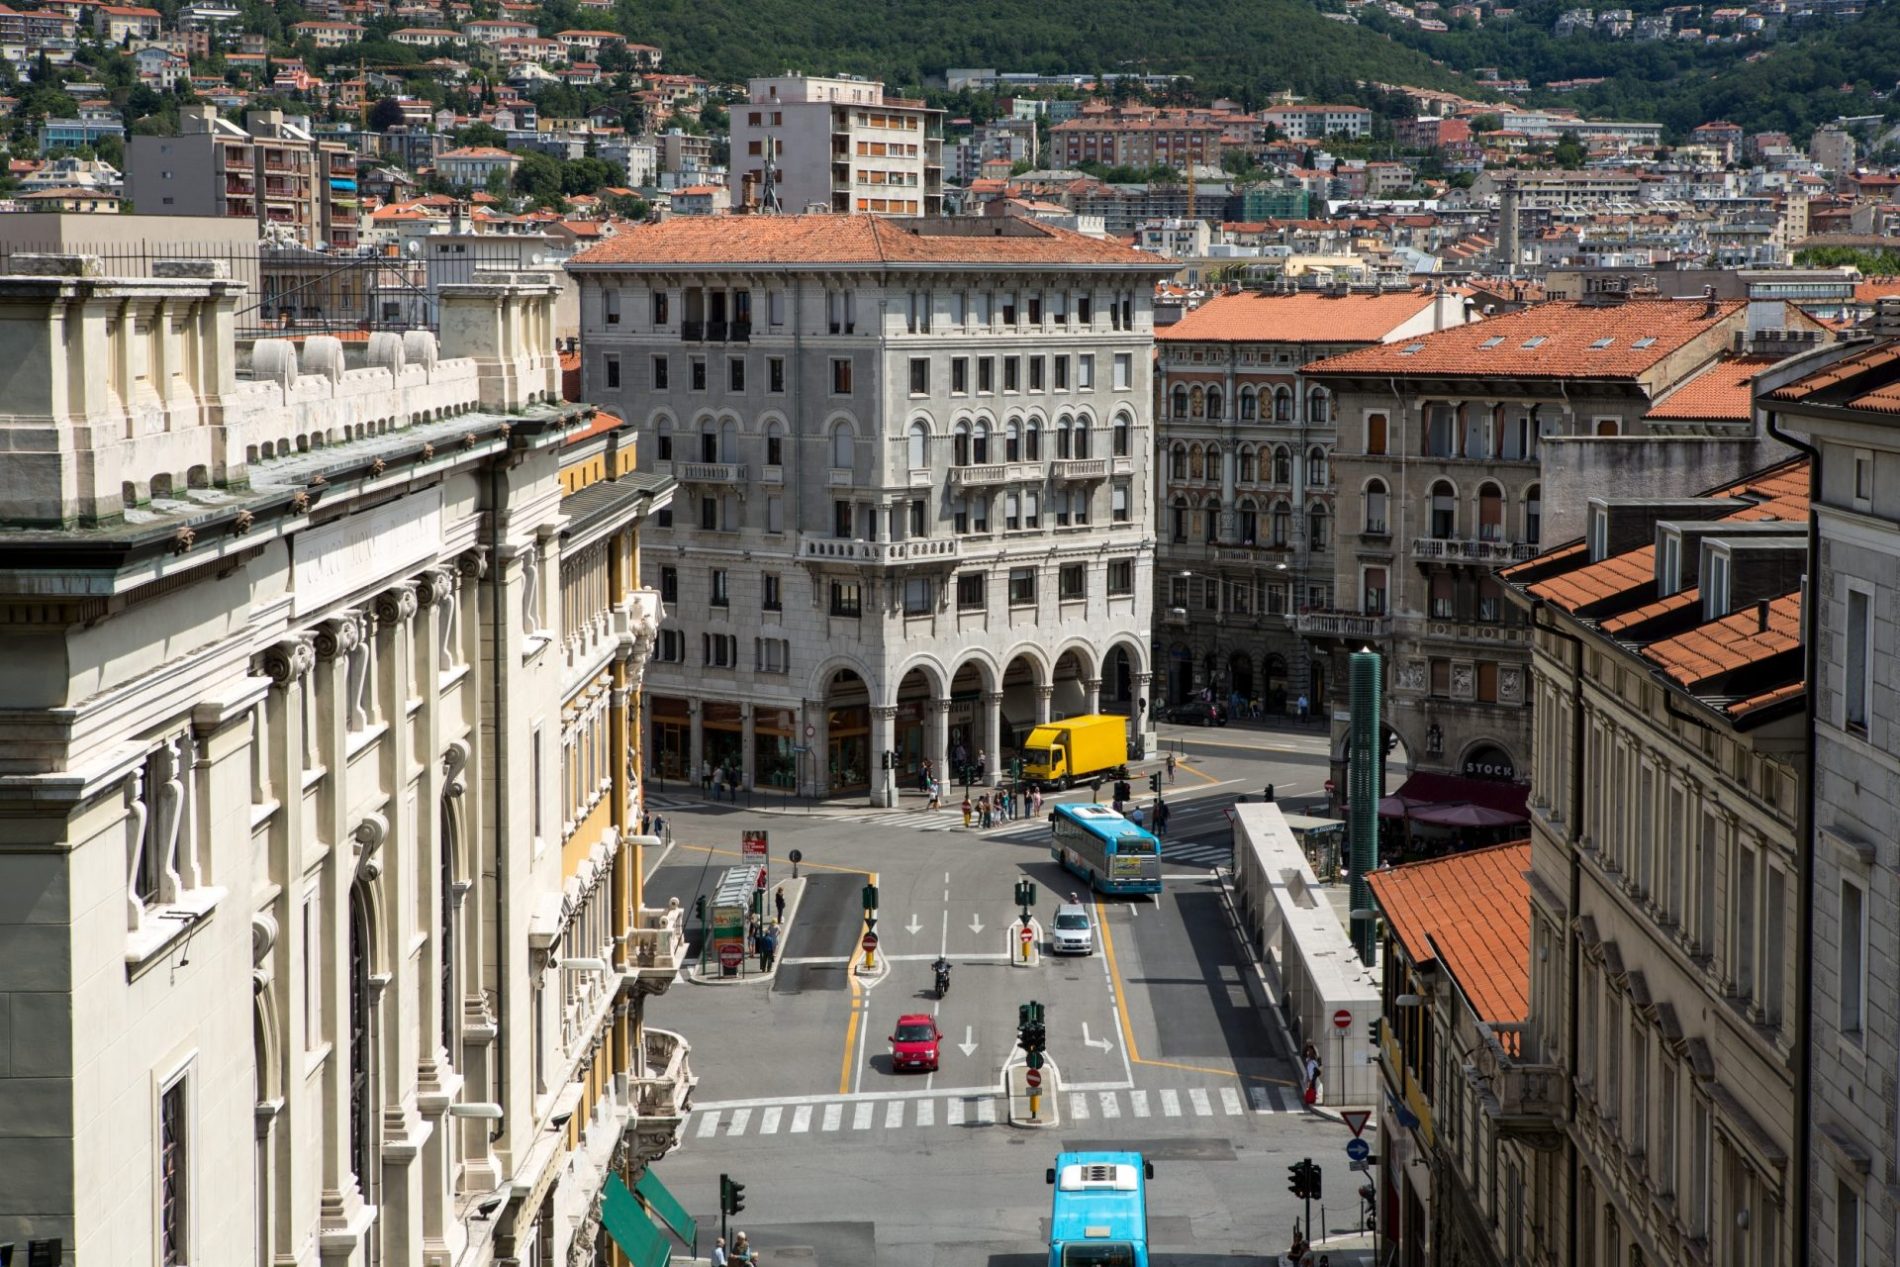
(942, 970)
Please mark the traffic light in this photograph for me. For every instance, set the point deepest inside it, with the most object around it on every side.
(699, 908)
(1303, 1179)
(731, 1195)
(1031, 1031)
(1154, 783)
(1121, 789)
(870, 897)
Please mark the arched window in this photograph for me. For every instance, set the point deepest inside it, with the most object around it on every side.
(1214, 402)
(844, 445)
(1316, 467)
(664, 448)
(1533, 516)
(1318, 406)
(1197, 401)
(960, 443)
(1249, 523)
(361, 1051)
(1195, 464)
(708, 441)
(1282, 405)
(1490, 513)
(1083, 425)
(980, 443)
(1013, 440)
(1177, 462)
(1032, 440)
(1178, 407)
(1213, 462)
(1212, 513)
(1444, 511)
(774, 444)
(728, 441)
(1319, 534)
(1375, 508)
(1249, 404)
(1282, 464)
(1121, 437)
(1178, 514)
(1064, 425)
(1245, 472)
(919, 446)
(1282, 524)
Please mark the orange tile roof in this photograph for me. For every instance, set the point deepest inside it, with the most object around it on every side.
(1723, 392)
(1597, 581)
(1681, 600)
(834, 239)
(1550, 340)
(1708, 651)
(1252, 316)
(1879, 356)
(1475, 908)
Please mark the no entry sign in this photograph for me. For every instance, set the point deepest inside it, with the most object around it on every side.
(1032, 1077)
(1342, 1019)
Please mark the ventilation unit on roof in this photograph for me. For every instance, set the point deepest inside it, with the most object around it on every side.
(1535, 341)
(1600, 344)
(1647, 341)
(1493, 341)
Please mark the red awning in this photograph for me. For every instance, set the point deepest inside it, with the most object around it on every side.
(1452, 789)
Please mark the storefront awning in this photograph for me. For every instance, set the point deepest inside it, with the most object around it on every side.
(653, 1194)
(633, 1232)
(1451, 789)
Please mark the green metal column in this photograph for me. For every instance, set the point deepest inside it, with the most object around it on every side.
(1365, 784)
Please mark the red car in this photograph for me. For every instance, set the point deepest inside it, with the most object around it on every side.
(914, 1044)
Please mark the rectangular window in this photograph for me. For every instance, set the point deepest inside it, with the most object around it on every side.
(775, 307)
(1639, 1088)
(1012, 373)
(671, 647)
(920, 376)
(1375, 434)
(659, 373)
(1124, 371)
(919, 514)
(1846, 1225)
(1060, 367)
(1085, 371)
(768, 584)
(960, 376)
(985, 375)
(1121, 576)
(1487, 682)
(699, 373)
(842, 515)
(174, 1176)
(1667, 1112)
(775, 513)
(1072, 581)
(669, 585)
(611, 362)
(1022, 587)
(775, 375)
(1085, 309)
(1857, 684)
(720, 651)
(846, 599)
(840, 376)
(971, 587)
(735, 373)
(535, 824)
(1746, 861)
(610, 306)
(1375, 592)
(1853, 983)
(917, 596)
(772, 655)
(709, 514)
(1118, 503)
(721, 594)
(1035, 373)
(1035, 310)
(660, 310)
(1441, 678)
(1773, 946)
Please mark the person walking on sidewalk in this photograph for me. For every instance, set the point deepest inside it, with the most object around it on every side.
(1160, 817)
(779, 902)
(967, 807)
(1170, 767)
(936, 797)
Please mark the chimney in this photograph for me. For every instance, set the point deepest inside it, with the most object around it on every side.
(1709, 306)
(1761, 616)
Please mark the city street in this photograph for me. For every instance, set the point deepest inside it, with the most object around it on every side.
(1159, 1038)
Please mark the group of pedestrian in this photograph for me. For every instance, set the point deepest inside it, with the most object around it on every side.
(720, 781)
(741, 1253)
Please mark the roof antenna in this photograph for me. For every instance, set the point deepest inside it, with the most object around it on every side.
(768, 193)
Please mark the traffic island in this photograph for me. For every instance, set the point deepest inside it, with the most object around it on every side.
(707, 970)
(1016, 1090)
(1024, 952)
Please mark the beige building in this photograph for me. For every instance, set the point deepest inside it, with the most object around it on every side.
(318, 685)
(1666, 877)
(270, 171)
(841, 143)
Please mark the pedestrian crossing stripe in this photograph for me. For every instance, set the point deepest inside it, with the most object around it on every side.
(801, 1119)
(1197, 1096)
(1078, 1106)
(1138, 1100)
(1171, 1103)
(833, 1114)
(861, 1120)
(768, 1121)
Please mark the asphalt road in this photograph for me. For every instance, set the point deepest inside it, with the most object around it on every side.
(1159, 1042)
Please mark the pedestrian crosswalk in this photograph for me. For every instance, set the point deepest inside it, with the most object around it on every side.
(952, 820)
(850, 1115)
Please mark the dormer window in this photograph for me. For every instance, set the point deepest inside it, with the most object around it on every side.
(1669, 565)
(1715, 587)
(1599, 533)
(1493, 341)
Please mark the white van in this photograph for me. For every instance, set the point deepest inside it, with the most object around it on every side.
(1073, 933)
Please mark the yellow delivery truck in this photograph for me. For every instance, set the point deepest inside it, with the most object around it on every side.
(1066, 752)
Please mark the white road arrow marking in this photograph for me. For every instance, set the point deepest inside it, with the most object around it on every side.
(913, 928)
(1103, 1043)
(976, 924)
(968, 1044)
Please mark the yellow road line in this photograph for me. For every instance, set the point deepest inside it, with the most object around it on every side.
(1185, 768)
(860, 1007)
(822, 866)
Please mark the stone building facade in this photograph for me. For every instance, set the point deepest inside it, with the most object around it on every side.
(303, 655)
(913, 457)
(1244, 483)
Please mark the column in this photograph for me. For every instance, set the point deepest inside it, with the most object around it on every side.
(815, 773)
(696, 748)
(1229, 462)
(992, 743)
(937, 740)
(1094, 687)
(883, 739)
(1144, 708)
(1044, 696)
(747, 713)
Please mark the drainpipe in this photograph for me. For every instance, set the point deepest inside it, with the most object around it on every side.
(497, 655)
(1572, 959)
(1804, 918)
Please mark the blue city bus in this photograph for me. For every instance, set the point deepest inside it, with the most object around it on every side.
(1111, 853)
(1100, 1217)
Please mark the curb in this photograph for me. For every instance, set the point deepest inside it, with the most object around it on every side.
(1051, 1114)
(795, 894)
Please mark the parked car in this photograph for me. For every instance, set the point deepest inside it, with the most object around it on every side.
(914, 1043)
(1196, 713)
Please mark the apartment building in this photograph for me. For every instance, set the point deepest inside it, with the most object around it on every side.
(1319, 122)
(271, 171)
(335, 951)
(1244, 481)
(1666, 875)
(1468, 449)
(841, 143)
(1142, 141)
(915, 495)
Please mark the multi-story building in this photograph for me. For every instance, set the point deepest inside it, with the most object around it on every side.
(1668, 691)
(1845, 411)
(271, 171)
(840, 143)
(1244, 482)
(1140, 141)
(471, 166)
(1319, 122)
(1467, 449)
(335, 952)
(914, 462)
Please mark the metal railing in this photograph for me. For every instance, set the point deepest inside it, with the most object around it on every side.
(1468, 550)
(1342, 625)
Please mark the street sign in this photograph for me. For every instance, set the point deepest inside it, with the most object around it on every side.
(1358, 1149)
(1359, 1165)
(1329, 785)
(869, 943)
(1028, 935)
(1342, 1019)
(1032, 1077)
(731, 955)
(1355, 1120)
(752, 846)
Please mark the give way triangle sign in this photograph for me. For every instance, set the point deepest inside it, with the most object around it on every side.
(1356, 1119)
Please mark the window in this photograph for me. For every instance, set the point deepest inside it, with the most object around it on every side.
(1124, 371)
(1212, 516)
(660, 309)
(1533, 516)
(1853, 983)
(1120, 436)
(1177, 515)
(1714, 584)
(1032, 440)
(1282, 522)
(1863, 480)
(669, 585)
(699, 373)
(772, 655)
(919, 518)
(920, 376)
(1060, 366)
(1009, 310)
(844, 445)
(735, 373)
(775, 513)
(1318, 406)
(775, 307)
(1444, 511)
(1034, 304)
(840, 376)
(671, 648)
(1316, 476)
(1121, 576)
(1177, 591)
(1747, 861)
(917, 596)
(985, 375)
(960, 376)
(1857, 684)
(1639, 1088)
(1773, 946)
(709, 514)
(1118, 503)
(1012, 373)
(1490, 513)
(1282, 465)
(971, 587)
(1490, 599)
(1032, 510)
(1319, 532)
(719, 651)
(775, 375)
(1444, 596)
(611, 363)
(721, 593)
(1085, 309)
(174, 1176)
(659, 373)
(1282, 405)
(1488, 682)
(1035, 373)
(1375, 508)
(1441, 679)
(1664, 1169)
(843, 517)
(769, 587)
(919, 446)
(313, 955)
(1846, 1225)
(1375, 592)
(1085, 371)
(1022, 587)
(846, 599)
(1072, 581)
(1013, 441)
(1375, 434)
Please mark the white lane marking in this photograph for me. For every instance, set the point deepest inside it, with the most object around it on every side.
(1197, 1096)
(801, 1119)
(1111, 1107)
(834, 1114)
(1140, 1100)
(1171, 1103)
(986, 1111)
(861, 1118)
(1230, 1100)
(768, 1120)
(953, 1112)
(893, 1115)
(708, 1123)
(1078, 1106)
(926, 1112)
(1257, 1096)
(739, 1119)
(1279, 1099)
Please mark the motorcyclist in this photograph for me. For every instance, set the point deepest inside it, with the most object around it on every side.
(942, 969)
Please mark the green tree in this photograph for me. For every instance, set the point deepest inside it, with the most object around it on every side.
(585, 175)
(482, 134)
(1569, 153)
(385, 114)
(538, 177)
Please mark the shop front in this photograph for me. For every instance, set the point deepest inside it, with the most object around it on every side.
(910, 738)
(849, 749)
(774, 736)
(672, 748)
(723, 737)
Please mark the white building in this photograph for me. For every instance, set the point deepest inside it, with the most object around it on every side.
(312, 684)
(1318, 122)
(914, 461)
(839, 143)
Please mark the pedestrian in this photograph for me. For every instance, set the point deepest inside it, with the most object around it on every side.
(705, 776)
(718, 782)
(1302, 705)
(936, 796)
(1134, 816)
(982, 762)
(778, 901)
(719, 1253)
(742, 1250)
(983, 810)
(1036, 809)
(966, 812)
(1161, 816)
(1170, 767)
(1309, 1061)
(962, 755)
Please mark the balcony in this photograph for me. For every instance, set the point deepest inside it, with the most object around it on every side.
(992, 474)
(656, 947)
(879, 553)
(1526, 1100)
(772, 475)
(661, 1090)
(1459, 550)
(840, 477)
(716, 331)
(711, 472)
(1346, 625)
(692, 331)
(1079, 470)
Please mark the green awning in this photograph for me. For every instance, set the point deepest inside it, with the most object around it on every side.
(653, 1194)
(642, 1243)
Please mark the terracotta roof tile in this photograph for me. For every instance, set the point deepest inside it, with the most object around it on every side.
(1256, 317)
(1475, 907)
(848, 239)
(1562, 339)
(1723, 392)
(1735, 641)
(1681, 600)
(1876, 357)
(1594, 582)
